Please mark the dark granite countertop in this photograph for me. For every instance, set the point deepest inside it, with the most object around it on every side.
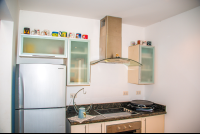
(99, 118)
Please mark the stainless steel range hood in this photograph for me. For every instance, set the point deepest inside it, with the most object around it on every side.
(111, 43)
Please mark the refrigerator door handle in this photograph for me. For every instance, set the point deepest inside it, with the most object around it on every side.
(21, 93)
(21, 121)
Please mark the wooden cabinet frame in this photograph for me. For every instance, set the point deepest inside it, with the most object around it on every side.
(135, 72)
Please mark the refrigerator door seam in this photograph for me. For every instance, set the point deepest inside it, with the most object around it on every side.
(39, 108)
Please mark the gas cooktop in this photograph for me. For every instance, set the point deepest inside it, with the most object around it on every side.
(144, 106)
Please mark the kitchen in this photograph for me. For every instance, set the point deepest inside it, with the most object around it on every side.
(166, 36)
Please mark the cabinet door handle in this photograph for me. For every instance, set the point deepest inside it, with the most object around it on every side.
(43, 56)
(85, 128)
(21, 121)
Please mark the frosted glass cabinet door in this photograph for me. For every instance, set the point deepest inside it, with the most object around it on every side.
(78, 71)
(147, 69)
(43, 46)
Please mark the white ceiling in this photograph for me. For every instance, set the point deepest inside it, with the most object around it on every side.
(134, 12)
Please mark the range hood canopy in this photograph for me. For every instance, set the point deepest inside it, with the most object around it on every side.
(125, 61)
(110, 46)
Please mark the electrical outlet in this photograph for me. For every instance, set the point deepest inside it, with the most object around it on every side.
(138, 92)
(125, 93)
(72, 95)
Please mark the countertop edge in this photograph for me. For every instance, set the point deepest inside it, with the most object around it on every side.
(117, 118)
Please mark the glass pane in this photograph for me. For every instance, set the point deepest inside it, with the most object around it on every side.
(79, 60)
(124, 61)
(43, 46)
(147, 62)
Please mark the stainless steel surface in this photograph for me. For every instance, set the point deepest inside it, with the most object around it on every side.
(125, 61)
(21, 121)
(21, 93)
(16, 121)
(17, 87)
(116, 115)
(143, 103)
(110, 46)
(118, 128)
(115, 112)
(40, 98)
(42, 121)
(43, 84)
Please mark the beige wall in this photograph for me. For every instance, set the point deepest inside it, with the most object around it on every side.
(177, 70)
(108, 81)
(9, 28)
(5, 75)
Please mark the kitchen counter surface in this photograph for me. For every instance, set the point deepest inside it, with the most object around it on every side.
(99, 118)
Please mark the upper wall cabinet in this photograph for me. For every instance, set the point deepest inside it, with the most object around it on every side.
(141, 75)
(43, 46)
(78, 70)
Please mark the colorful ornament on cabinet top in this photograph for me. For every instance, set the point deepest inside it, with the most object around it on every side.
(26, 30)
(55, 34)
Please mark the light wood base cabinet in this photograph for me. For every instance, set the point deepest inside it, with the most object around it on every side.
(79, 128)
(96, 128)
(88, 128)
(155, 124)
(151, 124)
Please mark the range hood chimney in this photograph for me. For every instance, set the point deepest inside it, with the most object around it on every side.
(110, 47)
(110, 37)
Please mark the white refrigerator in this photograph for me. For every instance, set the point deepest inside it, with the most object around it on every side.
(40, 98)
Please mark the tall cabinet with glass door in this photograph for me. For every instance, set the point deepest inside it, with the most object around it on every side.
(141, 75)
(78, 71)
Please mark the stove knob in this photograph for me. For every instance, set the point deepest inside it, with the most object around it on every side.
(130, 126)
(118, 128)
(124, 127)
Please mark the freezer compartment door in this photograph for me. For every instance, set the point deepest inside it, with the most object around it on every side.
(40, 121)
(40, 86)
